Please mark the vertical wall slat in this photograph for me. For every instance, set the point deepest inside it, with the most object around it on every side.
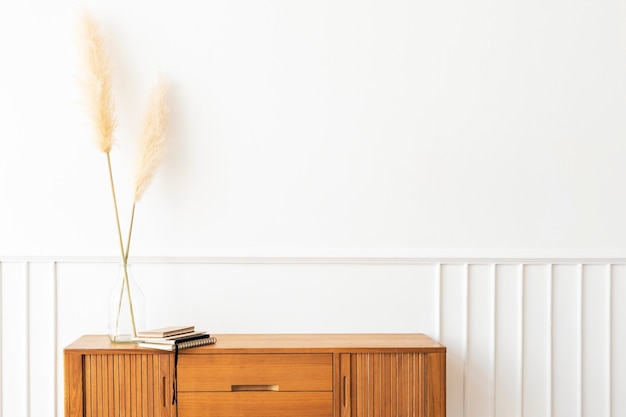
(58, 365)
(479, 386)
(1, 339)
(618, 341)
(41, 338)
(550, 368)
(521, 336)
(596, 341)
(566, 334)
(453, 330)
(581, 340)
(438, 300)
(536, 348)
(27, 323)
(14, 328)
(508, 377)
(465, 332)
(609, 353)
(494, 336)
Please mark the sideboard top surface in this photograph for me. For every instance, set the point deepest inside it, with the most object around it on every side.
(236, 343)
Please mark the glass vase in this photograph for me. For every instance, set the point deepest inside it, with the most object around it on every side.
(126, 307)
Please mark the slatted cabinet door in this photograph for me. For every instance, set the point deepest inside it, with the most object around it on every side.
(392, 384)
(118, 384)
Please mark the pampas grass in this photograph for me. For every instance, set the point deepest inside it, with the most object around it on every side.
(97, 82)
(152, 139)
(151, 145)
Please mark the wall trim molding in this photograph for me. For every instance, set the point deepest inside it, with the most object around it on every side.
(368, 257)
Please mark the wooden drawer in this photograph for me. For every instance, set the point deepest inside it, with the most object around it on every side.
(255, 404)
(276, 372)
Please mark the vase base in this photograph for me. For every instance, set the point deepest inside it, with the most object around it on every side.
(124, 339)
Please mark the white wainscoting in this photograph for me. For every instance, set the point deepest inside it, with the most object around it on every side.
(525, 337)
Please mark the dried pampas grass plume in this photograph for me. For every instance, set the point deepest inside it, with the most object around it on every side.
(98, 82)
(151, 145)
(98, 88)
(152, 140)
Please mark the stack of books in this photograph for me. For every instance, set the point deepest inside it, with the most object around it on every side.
(174, 337)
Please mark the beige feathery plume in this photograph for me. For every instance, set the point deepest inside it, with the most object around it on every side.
(98, 87)
(98, 83)
(152, 141)
(151, 145)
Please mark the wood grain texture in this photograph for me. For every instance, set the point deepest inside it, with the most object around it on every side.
(118, 385)
(399, 385)
(256, 404)
(73, 385)
(334, 343)
(290, 371)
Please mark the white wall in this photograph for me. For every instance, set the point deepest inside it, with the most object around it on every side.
(310, 125)
(438, 132)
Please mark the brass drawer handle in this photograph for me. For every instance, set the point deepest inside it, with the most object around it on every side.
(268, 387)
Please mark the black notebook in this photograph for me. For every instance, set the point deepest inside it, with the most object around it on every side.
(193, 341)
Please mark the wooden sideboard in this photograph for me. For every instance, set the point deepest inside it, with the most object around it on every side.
(262, 375)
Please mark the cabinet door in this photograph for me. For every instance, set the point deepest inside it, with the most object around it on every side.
(392, 384)
(122, 385)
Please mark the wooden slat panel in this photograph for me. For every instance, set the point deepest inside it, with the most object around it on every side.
(106, 383)
(148, 388)
(345, 385)
(117, 391)
(384, 385)
(123, 385)
(98, 385)
(163, 385)
(434, 384)
(403, 394)
(73, 385)
(163, 395)
(90, 379)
